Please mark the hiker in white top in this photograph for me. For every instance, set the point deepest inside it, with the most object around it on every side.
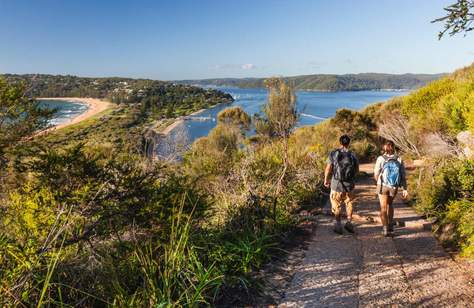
(389, 172)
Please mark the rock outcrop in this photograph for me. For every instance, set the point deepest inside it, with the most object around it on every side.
(466, 141)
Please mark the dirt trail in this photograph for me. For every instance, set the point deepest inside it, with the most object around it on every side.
(369, 270)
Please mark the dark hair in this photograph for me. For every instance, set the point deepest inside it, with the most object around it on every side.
(389, 143)
(344, 140)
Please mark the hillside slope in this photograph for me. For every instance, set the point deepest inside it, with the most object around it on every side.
(328, 82)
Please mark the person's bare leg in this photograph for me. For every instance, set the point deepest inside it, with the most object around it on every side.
(383, 209)
(349, 202)
(390, 212)
(349, 206)
(336, 210)
(384, 214)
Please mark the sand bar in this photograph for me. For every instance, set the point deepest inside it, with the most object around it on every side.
(178, 121)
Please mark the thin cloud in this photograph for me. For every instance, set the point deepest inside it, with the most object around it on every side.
(248, 66)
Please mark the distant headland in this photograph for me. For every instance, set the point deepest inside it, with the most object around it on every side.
(330, 82)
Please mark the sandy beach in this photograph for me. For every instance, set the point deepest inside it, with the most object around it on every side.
(178, 121)
(95, 106)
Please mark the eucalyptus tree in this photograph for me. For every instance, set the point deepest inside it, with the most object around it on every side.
(459, 18)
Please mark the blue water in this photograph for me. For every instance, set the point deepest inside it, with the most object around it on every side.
(313, 107)
(65, 110)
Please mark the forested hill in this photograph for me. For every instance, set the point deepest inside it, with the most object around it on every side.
(326, 82)
(120, 90)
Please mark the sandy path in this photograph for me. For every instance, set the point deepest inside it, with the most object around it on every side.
(95, 106)
(369, 270)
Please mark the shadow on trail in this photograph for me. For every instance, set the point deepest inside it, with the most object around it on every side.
(366, 269)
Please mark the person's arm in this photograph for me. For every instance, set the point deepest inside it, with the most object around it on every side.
(403, 177)
(328, 171)
(377, 168)
(356, 164)
(327, 174)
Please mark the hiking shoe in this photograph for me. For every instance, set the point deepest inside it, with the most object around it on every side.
(349, 227)
(338, 229)
(391, 226)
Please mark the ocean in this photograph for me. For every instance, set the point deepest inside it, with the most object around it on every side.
(65, 110)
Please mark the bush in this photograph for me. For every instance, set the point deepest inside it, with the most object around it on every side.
(94, 226)
(460, 213)
(354, 123)
(76, 207)
(446, 104)
(365, 150)
(445, 192)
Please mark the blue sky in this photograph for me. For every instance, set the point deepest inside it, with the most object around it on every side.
(187, 39)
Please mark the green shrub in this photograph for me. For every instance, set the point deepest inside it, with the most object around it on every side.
(437, 187)
(170, 274)
(93, 225)
(365, 150)
(354, 123)
(445, 192)
(460, 213)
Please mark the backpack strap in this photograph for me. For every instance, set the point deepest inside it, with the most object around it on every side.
(381, 171)
(333, 155)
(395, 157)
(385, 160)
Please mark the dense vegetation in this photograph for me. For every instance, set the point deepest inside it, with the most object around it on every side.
(438, 116)
(327, 82)
(86, 222)
(165, 98)
(434, 124)
(130, 124)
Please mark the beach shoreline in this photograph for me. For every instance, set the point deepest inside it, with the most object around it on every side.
(94, 106)
(180, 120)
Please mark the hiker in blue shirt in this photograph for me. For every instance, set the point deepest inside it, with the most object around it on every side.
(389, 172)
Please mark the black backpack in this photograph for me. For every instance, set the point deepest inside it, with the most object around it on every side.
(344, 166)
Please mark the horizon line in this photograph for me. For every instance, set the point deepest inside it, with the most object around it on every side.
(215, 78)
